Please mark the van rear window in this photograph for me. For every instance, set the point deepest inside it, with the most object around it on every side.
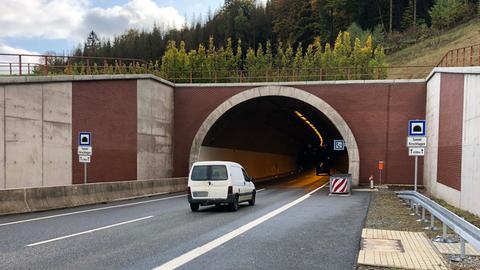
(209, 173)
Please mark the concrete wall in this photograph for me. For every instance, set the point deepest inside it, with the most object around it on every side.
(257, 164)
(36, 134)
(459, 188)
(154, 130)
(470, 199)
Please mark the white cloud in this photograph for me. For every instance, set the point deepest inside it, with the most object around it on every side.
(41, 18)
(137, 14)
(74, 19)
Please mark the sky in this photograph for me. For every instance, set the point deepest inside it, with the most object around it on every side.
(39, 26)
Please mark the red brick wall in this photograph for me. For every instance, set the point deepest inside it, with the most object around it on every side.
(109, 110)
(377, 114)
(449, 168)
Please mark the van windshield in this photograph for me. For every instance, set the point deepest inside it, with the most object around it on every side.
(209, 173)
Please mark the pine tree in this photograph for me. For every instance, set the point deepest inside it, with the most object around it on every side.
(298, 62)
(238, 59)
(231, 64)
(250, 64)
(269, 60)
(211, 59)
(260, 62)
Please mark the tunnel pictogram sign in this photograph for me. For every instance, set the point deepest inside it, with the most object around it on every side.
(416, 128)
(84, 138)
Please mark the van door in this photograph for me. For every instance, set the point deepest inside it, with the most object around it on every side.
(209, 181)
(240, 182)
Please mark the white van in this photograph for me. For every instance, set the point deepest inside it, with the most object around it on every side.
(219, 182)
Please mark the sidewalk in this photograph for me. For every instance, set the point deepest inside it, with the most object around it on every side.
(394, 239)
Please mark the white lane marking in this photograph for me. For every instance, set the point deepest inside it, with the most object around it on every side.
(89, 231)
(260, 190)
(90, 210)
(199, 251)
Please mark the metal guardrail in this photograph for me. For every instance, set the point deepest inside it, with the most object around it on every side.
(461, 57)
(44, 64)
(467, 231)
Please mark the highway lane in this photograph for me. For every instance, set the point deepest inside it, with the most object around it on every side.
(158, 231)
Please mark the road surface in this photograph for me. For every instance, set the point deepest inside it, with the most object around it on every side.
(294, 225)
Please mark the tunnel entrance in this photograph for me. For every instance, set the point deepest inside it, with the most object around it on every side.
(277, 130)
(273, 136)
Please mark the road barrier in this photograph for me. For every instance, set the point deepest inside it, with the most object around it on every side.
(340, 184)
(464, 229)
(46, 198)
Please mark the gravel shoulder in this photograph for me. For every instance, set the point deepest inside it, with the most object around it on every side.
(387, 212)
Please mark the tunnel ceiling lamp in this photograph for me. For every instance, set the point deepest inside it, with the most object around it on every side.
(311, 126)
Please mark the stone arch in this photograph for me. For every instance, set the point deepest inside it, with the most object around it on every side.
(284, 91)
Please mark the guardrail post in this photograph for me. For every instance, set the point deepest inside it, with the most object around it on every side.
(46, 65)
(423, 214)
(432, 223)
(10, 69)
(20, 65)
(471, 55)
(462, 248)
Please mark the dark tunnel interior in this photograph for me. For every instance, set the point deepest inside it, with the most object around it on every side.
(275, 135)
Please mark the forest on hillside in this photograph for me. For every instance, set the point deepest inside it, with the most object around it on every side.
(248, 36)
(290, 21)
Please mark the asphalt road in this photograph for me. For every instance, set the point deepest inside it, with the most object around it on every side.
(294, 225)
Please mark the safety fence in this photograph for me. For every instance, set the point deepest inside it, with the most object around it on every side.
(48, 65)
(37, 64)
(461, 57)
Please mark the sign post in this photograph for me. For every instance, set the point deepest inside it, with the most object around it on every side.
(84, 152)
(416, 143)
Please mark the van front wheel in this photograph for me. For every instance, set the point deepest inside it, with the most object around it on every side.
(194, 207)
(234, 204)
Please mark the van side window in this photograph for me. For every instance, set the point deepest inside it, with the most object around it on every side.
(245, 175)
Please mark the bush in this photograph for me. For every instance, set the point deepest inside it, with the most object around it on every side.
(448, 13)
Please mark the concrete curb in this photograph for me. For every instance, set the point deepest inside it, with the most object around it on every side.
(13, 201)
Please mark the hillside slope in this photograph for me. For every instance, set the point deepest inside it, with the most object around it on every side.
(430, 51)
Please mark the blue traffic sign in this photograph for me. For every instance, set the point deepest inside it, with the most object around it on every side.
(338, 145)
(84, 138)
(417, 127)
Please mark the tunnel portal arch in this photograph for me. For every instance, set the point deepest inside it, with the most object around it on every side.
(290, 92)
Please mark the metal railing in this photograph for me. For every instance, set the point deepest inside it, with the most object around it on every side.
(31, 64)
(464, 229)
(37, 64)
(461, 57)
(290, 74)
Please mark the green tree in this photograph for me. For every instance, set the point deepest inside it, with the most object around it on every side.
(251, 65)
(298, 63)
(446, 13)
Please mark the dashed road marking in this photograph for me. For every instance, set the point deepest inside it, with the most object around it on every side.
(90, 210)
(89, 231)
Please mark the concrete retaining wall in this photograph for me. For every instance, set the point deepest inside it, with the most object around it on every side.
(462, 191)
(35, 135)
(46, 198)
(154, 130)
